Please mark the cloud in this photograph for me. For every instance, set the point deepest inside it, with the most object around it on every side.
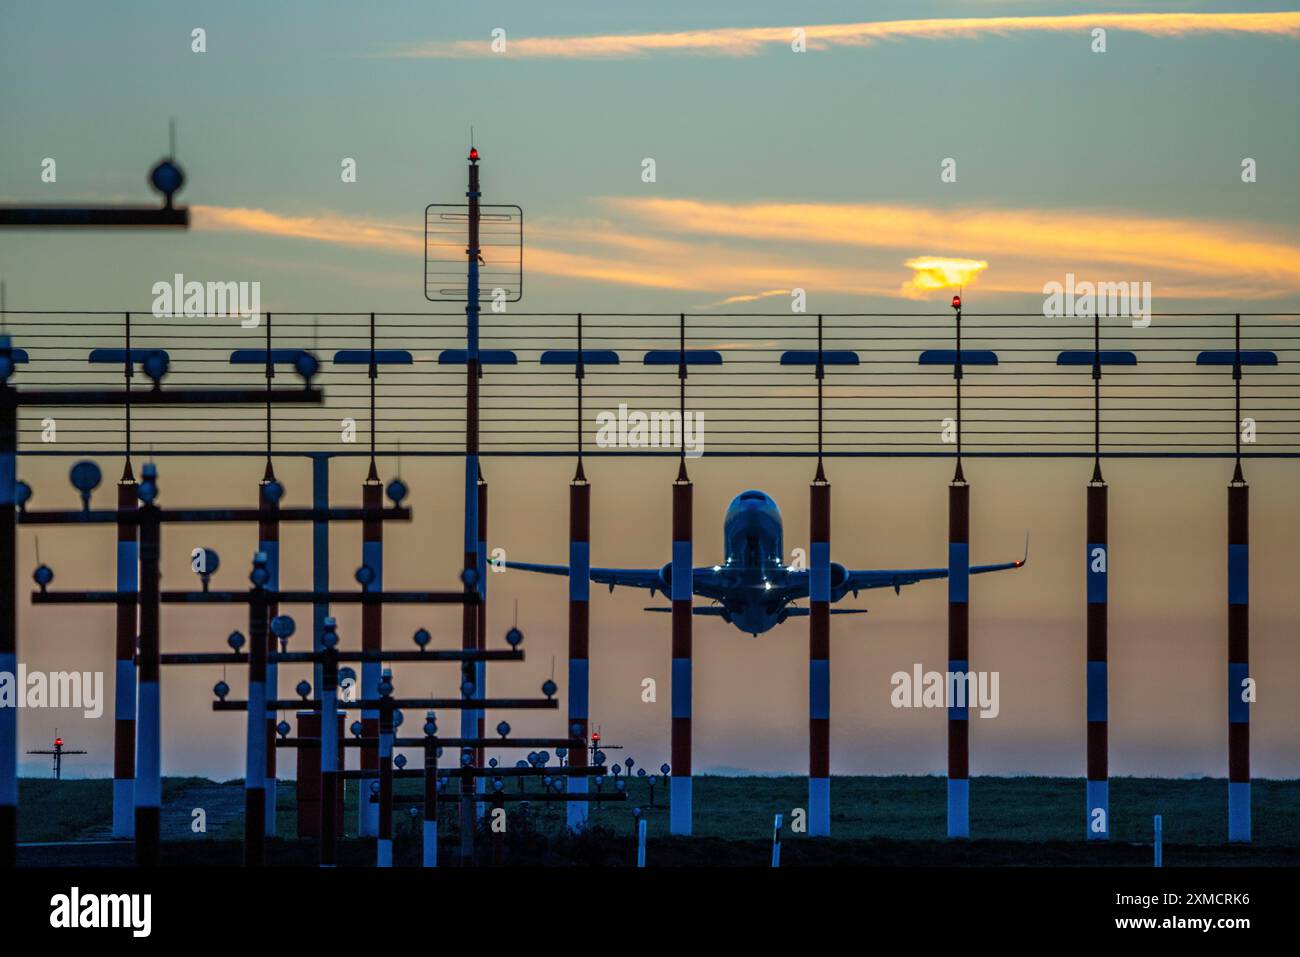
(746, 297)
(745, 252)
(1184, 257)
(327, 228)
(595, 249)
(931, 273)
(748, 41)
(706, 267)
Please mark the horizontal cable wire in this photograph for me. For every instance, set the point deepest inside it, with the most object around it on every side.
(1025, 404)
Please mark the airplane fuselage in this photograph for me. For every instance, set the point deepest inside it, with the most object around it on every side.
(754, 576)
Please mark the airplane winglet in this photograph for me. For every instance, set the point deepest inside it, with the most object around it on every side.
(1024, 561)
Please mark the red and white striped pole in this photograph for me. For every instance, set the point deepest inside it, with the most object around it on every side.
(1098, 559)
(819, 630)
(329, 742)
(268, 543)
(1239, 697)
(372, 639)
(430, 849)
(148, 740)
(959, 656)
(1241, 691)
(384, 846)
(8, 613)
(680, 816)
(480, 667)
(579, 636)
(259, 637)
(819, 653)
(469, 622)
(682, 587)
(1239, 823)
(958, 625)
(1097, 570)
(579, 609)
(128, 580)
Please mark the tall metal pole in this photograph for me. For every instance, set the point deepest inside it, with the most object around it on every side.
(320, 554)
(819, 631)
(469, 622)
(372, 615)
(430, 856)
(384, 845)
(480, 667)
(1097, 563)
(259, 637)
(148, 754)
(372, 553)
(329, 741)
(268, 543)
(579, 612)
(1239, 823)
(128, 580)
(958, 625)
(683, 591)
(8, 616)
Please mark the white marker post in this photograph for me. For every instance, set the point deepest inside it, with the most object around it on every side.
(640, 843)
(776, 842)
(1160, 856)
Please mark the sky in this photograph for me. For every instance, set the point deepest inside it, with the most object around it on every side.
(774, 170)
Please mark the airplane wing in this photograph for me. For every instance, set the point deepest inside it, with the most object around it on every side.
(716, 611)
(649, 578)
(896, 578)
(800, 612)
(629, 577)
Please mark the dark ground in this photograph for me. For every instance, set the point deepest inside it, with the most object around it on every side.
(889, 821)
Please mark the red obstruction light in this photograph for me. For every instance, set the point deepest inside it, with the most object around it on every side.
(956, 302)
(58, 742)
(473, 154)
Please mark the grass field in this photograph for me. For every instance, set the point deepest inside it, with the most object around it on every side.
(875, 820)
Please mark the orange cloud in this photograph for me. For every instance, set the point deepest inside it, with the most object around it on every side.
(613, 255)
(747, 41)
(686, 245)
(327, 228)
(711, 268)
(747, 297)
(931, 273)
(1191, 255)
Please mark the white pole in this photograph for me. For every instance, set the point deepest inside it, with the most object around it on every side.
(1160, 857)
(329, 753)
(431, 843)
(776, 842)
(640, 843)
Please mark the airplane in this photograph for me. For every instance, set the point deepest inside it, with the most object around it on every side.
(753, 588)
